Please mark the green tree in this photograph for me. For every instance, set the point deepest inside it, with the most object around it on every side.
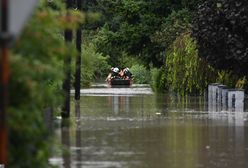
(186, 72)
(141, 74)
(36, 75)
(220, 29)
(94, 65)
(175, 24)
(130, 24)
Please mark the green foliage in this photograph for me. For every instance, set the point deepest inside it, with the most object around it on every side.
(93, 17)
(141, 74)
(36, 74)
(105, 41)
(127, 61)
(30, 93)
(158, 79)
(220, 28)
(130, 25)
(155, 78)
(175, 24)
(94, 65)
(242, 83)
(231, 80)
(226, 78)
(187, 73)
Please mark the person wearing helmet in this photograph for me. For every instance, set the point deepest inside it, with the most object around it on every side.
(110, 74)
(115, 73)
(127, 74)
(116, 70)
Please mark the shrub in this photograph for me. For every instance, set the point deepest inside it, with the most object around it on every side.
(220, 28)
(94, 65)
(141, 74)
(30, 92)
(35, 76)
(175, 24)
(158, 79)
(187, 73)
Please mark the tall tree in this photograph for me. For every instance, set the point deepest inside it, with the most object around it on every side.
(67, 67)
(220, 28)
(130, 24)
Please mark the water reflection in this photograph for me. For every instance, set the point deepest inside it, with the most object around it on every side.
(78, 136)
(65, 140)
(120, 103)
(153, 131)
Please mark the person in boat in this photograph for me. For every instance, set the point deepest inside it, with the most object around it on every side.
(121, 73)
(109, 75)
(113, 74)
(127, 74)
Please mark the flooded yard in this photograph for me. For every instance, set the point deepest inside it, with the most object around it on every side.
(135, 128)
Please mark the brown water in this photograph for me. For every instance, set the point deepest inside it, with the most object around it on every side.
(137, 129)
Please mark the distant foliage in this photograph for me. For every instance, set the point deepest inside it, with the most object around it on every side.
(226, 78)
(129, 26)
(159, 79)
(231, 79)
(141, 74)
(174, 25)
(94, 65)
(220, 28)
(242, 83)
(155, 78)
(186, 72)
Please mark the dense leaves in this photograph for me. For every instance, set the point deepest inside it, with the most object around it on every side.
(220, 28)
(186, 72)
(94, 65)
(36, 74)
(175, 24)
(141, 74)
(129, 26)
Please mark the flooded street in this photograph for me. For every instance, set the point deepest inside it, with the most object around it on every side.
(135, 128)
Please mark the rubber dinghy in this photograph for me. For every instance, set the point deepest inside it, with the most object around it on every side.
(121, 82)
(119, 78)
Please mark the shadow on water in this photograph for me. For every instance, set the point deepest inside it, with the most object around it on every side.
(66, 141)
(144, 130)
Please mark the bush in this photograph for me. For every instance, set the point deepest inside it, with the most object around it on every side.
(94, 65)
(36, 74)
(187, 73)
(30, 93)
(175, 24)
(220, 28)
(158, 79)
(155, 78)
(141, 74)
(231, 80)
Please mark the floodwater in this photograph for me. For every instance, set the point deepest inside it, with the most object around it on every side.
(135, 128)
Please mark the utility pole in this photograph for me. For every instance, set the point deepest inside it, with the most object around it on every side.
(3, 104)
(78, 58)
(67, 68)
(4, 72)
